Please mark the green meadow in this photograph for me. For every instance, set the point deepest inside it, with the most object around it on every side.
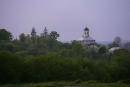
(67, 84)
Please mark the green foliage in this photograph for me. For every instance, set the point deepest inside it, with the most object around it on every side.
(34, 58)
(5, 35)
(120, 64)
(68, 84)
(54, 35)
(22, 37)
(102, 50)
(54, 67)
(10, 68)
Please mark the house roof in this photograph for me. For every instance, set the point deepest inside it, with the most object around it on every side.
(113, 49)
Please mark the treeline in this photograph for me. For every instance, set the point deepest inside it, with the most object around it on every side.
(38, 58)
(14, 69)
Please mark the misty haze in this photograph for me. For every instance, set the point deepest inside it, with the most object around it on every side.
(64, 43)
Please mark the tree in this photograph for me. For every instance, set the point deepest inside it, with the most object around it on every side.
(120, 65)
(22, 37)
(5, 35)
(127, 45)
(10, 68)
(117, 42)
(54, 35)
(102, 50)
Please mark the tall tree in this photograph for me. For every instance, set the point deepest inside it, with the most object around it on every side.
(54, 35)
(102, 50)
(117, 42)
(5, 35)
(22, 37)
(127, 45)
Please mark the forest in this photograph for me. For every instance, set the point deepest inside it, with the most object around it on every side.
(33, 58)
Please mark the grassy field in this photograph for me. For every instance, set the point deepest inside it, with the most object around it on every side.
(67, 84)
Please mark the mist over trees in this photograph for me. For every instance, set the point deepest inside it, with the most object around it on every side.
(38, 58)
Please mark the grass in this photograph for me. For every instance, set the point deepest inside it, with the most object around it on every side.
(67, 84)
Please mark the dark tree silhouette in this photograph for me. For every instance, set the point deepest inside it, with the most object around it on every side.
(117, 42)
(54, 35)
(22, 37)
(5, 35)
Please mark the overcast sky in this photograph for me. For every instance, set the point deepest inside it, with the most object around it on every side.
(106, 19)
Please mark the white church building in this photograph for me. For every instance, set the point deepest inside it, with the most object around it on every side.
(86, 40)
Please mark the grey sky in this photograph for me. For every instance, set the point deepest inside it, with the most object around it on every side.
(105, 18)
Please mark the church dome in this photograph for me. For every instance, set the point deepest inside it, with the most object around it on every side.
(86, 29)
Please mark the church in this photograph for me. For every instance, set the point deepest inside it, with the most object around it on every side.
(86, 40)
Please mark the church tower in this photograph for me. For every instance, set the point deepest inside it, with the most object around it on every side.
(86, 33)
(86, 39)
(45, 32)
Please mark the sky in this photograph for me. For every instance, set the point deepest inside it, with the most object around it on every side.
(106, 19)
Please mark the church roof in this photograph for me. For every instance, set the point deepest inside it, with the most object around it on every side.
(87, 38)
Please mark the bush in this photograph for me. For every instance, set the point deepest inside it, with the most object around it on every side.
(10, 68)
